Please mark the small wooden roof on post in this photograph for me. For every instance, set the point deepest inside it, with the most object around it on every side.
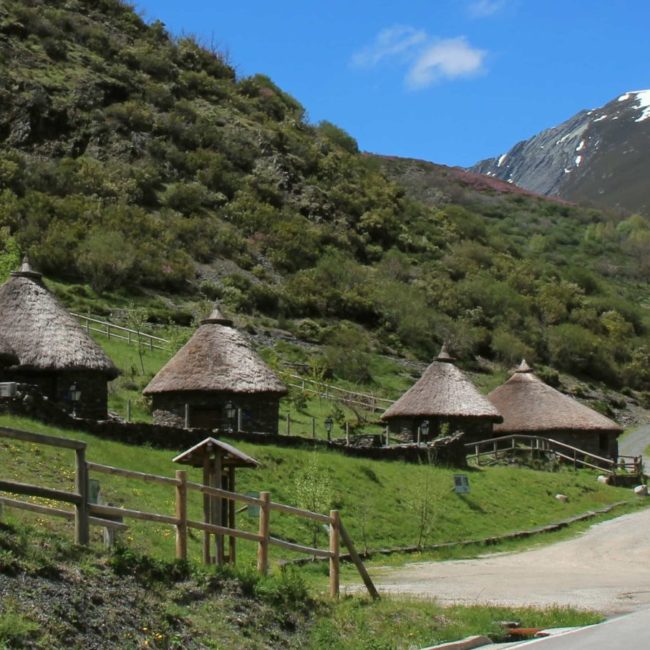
(211, 448)
(219, 461)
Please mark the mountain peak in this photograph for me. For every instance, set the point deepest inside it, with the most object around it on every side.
(599, 156)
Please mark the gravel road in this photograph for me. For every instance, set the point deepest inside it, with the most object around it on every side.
(634, 444)
(607, 568)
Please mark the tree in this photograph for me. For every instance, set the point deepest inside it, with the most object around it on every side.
(313, 491)
(9, 254)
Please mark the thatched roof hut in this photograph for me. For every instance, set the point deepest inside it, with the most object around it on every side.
(215, 366)
(444, 394)
(41, 332)
(216, 358)
(530, 406)
(52, 350)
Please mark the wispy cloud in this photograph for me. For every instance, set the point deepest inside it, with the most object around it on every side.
(427, 60)
(390, 42)
(446, 59)
(484, 8)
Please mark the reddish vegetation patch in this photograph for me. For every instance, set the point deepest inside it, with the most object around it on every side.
(479, 182)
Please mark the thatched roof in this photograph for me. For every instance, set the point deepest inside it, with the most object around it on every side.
(230, 456)
(528, 404)
(7, 355)
(216, 358)
(43, 335)
(443, 391)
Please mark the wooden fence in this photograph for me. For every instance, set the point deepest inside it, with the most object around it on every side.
(111, 517)
(505, 446)
(327, 391)
(131, 336)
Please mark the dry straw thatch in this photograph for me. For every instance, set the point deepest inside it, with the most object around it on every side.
(42, 333)
(528, 404)
(217, 358)
(443, 391)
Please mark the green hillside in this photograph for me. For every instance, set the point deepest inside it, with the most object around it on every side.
(383, 504)
(138, 167)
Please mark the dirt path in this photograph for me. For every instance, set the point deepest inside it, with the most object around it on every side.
(634, 443)
(607, 568)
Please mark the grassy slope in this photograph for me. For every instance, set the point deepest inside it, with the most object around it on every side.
(380, 502)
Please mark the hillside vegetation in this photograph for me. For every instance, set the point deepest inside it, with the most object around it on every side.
(134, 164)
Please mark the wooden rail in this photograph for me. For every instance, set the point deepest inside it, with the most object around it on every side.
(111, 517)
(131, 336)
(327, 391)
(79, 498)
(511, 444)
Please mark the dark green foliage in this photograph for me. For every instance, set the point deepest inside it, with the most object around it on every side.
(131, 160)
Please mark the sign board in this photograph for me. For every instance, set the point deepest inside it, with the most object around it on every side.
(461, 484)
(93, 490)
(252, 510)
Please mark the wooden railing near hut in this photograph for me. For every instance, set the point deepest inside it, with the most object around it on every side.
(329, 392)
(120, 333)
(494, 449)
(87, 513)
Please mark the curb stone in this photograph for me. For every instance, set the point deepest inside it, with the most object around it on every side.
(464, 644)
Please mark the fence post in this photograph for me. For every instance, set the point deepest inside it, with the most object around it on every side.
(313, 427)
(335, 561)
(81, 523)
(187, 417)
(128, 410)
(263, 548)
(288, 424)
(181, 515)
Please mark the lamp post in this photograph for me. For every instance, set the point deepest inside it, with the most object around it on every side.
(328, 426)
(75, 396)
(231, 413)
(423, 430)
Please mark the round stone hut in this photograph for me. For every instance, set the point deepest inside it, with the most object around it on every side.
(216, 381)
(529, 406)
(445, 399)
(51, 350)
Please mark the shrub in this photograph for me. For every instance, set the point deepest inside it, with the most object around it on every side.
(106, 259)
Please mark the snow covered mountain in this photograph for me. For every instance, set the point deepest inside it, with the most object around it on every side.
(599, 157)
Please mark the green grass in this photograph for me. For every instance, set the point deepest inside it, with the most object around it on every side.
(399, 623)
(381, 503)
(192, 606)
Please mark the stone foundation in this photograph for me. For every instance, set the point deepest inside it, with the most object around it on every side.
(93, 402)
(474, 429)
(258, 412)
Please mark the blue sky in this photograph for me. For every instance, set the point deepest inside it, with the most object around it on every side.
(451, 81)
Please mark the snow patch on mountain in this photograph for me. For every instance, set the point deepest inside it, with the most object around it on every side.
(643, 101)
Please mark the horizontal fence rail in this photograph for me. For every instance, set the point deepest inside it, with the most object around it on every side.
(327, 391)
(121, 333)
(110, 517)
(520, 442)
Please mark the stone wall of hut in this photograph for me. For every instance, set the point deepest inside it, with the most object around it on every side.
(474, 429)
(55, 386)
(259, 412)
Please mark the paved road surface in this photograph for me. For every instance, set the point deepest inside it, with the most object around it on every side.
(607, 568)
(634, 444)
(631, 632)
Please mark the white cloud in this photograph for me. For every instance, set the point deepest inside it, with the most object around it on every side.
(483, 8)
(445, 59)
(390, 42)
